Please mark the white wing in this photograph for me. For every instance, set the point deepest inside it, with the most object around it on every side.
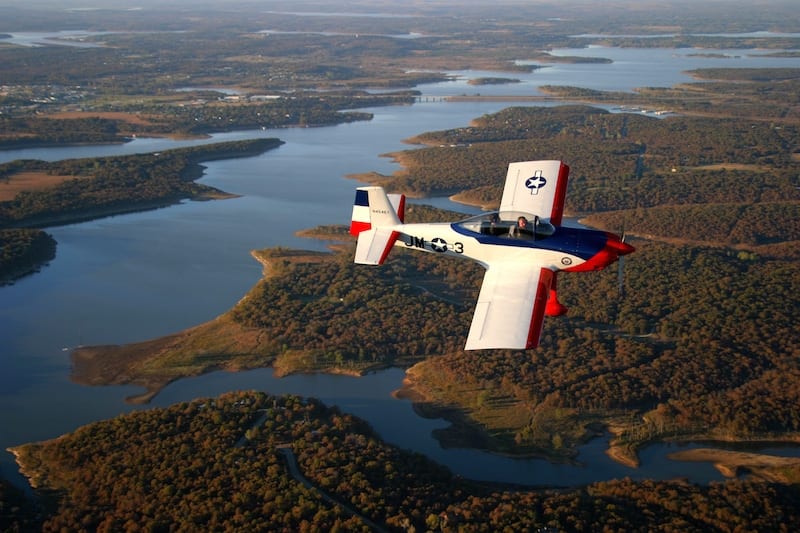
(510, 308)
(536, 187)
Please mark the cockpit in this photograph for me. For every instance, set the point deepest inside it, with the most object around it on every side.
(508, 224)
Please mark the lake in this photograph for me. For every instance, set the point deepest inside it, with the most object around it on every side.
(142, 275)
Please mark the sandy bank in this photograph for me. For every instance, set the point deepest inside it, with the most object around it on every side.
(731, 464)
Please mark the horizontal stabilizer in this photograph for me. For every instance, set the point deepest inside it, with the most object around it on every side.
(374, 245)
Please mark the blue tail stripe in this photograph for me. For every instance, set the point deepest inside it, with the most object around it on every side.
(362, 198)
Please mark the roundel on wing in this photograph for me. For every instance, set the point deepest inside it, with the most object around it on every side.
(535, 182)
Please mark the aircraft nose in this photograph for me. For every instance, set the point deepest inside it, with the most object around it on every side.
(621, 248)
(611, 248)
(617, 246)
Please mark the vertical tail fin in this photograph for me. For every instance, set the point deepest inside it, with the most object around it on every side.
(375, 221)
(373, 207)
(360, 220)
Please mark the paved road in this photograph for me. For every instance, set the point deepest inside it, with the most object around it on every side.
(294, 470)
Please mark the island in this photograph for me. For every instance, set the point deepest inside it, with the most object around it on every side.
(492, 81)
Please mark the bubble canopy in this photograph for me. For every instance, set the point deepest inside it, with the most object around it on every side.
(506, 224)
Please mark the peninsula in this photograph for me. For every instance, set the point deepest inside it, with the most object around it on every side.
(35, 194)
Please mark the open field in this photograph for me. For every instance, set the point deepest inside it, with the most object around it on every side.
(28, 181)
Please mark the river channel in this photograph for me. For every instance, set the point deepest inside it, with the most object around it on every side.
(142, 275)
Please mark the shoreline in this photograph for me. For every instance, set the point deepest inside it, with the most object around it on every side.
(138, 363)
(217, 344)
(104, 212)
(462, 432)
(191, 172)
(730, 463)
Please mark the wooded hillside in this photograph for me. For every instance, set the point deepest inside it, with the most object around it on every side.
(224, 463)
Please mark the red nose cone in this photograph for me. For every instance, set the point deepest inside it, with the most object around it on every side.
(610, 252)
(619, 247)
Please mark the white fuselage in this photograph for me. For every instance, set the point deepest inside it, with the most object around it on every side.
(441, 238)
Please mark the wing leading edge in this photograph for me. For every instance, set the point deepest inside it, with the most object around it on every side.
(511, 305)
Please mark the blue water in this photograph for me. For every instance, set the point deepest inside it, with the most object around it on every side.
(138, 276)
(630, 68)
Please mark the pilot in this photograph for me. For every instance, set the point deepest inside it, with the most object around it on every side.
(494, 221)
(521, 229)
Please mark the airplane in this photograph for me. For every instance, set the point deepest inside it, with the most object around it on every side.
(522, 246)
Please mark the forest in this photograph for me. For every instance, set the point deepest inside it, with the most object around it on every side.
(220, 464)
(695, 340)
(732, 181)
(702, 341)
(23, 251)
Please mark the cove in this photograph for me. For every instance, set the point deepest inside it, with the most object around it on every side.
(370, 397)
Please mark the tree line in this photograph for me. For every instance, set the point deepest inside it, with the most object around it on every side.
(215, 463)
(23, 251)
